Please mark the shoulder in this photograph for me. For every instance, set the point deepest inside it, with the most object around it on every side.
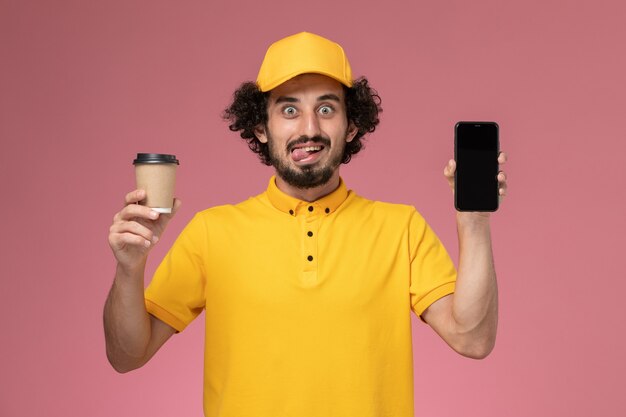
(382, 207)
(231, 214)
(387, 212)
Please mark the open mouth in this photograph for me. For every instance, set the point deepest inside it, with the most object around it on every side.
(306, 153)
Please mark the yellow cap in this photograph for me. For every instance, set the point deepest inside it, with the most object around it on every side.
(303, 53)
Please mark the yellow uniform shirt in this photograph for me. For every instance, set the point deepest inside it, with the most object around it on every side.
(307, 304)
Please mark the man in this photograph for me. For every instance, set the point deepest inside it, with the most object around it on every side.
(307, 287)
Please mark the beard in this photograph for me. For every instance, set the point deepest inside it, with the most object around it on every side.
(308, 176)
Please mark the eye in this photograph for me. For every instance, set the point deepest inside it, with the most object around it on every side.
(326, 110)
(289, 111)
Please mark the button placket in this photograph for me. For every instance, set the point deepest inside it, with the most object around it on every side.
(309, 235)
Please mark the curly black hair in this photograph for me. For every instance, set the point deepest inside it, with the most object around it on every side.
(249, 110)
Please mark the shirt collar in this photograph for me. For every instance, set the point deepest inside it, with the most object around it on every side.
(291, 205)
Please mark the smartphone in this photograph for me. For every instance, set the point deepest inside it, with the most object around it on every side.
(476, 149)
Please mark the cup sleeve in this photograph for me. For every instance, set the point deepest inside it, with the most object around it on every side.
(433, 274)
(176, 294)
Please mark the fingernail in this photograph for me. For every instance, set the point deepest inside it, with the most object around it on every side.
(155, 239)
(146, 243)
(154, 214)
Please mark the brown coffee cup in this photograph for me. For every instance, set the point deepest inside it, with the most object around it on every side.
(156, 174)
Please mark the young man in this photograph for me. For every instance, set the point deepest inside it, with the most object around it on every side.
(307, 287)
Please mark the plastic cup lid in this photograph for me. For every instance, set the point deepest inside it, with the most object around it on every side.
(155, 158)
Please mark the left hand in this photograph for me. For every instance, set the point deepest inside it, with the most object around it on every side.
(448, 172)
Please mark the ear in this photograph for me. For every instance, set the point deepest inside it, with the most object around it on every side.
(259, 132)
(351, 133)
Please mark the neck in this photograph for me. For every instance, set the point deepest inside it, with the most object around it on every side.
(309, 194)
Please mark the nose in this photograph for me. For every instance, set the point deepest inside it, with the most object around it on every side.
(310, 125)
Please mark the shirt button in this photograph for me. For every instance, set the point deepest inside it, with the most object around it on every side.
(291, 212)
(310, 258)
(310, 208)
(309, 233)
(327, 210)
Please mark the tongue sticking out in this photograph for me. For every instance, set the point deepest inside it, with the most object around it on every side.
(299, 154)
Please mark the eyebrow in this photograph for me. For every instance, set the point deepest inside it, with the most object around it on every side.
(333, 97)
(287, 99)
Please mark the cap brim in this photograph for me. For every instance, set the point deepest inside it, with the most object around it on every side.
(275, 83)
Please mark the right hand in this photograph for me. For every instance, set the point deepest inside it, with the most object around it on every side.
(136, 229)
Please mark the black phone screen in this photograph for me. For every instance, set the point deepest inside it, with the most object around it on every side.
(476, 178)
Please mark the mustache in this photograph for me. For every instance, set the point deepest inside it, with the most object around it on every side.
(304, 139)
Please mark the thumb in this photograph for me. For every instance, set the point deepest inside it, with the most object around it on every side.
(177, 204)
(450, 168)
(448, 172)
(165, 218)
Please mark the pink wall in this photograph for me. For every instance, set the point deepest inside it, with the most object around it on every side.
(85, 85)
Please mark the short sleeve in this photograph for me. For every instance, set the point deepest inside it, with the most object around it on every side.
(176, 294)
(433, 274)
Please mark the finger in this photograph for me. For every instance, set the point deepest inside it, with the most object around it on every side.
(133, 211)
(501, 177)
(135, 228)
(119, 241)
(135, 196)
(502, 157)
(502, 187)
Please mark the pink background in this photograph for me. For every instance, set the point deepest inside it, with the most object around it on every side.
(85, 85)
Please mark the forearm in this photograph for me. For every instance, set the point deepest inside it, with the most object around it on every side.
(126, 322)
(475, 302)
